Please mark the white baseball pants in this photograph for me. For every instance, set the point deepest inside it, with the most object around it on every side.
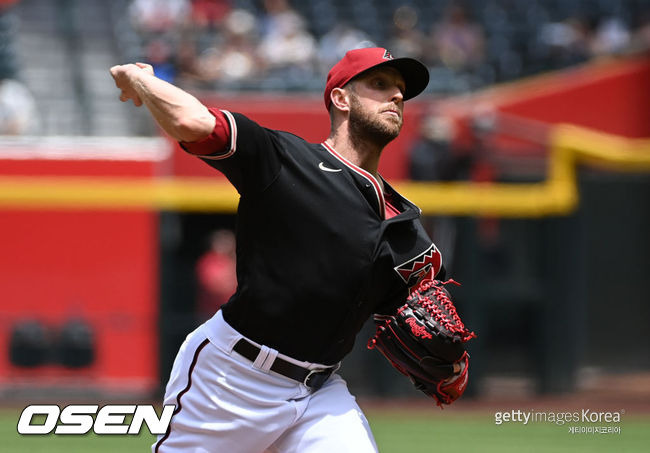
(227, 404)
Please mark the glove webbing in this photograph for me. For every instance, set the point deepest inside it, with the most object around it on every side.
(453, 325)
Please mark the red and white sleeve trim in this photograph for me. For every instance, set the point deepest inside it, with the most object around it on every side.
(233, 138)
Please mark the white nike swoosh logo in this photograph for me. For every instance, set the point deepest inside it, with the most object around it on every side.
(324, 168)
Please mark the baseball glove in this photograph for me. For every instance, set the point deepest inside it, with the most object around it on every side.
(425, 340)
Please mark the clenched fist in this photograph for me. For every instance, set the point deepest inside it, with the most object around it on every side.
(126, 78)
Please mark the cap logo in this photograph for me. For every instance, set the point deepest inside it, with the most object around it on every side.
(387, 55)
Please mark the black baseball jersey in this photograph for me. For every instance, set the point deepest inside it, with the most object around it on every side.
(315, 254)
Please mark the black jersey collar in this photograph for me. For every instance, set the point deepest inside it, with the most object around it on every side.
(360, 171)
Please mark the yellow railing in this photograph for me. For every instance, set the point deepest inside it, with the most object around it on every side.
(72, 192)
(557, 195)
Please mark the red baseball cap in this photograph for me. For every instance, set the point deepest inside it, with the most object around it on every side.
(415, 74)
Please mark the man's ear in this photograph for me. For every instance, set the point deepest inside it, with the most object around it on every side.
(340, 99)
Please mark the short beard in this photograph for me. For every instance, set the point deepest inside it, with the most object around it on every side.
(363, 128)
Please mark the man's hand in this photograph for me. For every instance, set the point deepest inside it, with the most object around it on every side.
(178, 113)
(126, 76)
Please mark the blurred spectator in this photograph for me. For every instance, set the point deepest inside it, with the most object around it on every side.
(216, 43)
(240, 61)
(186, 62)
(6, 4)
(457, 41)
(436, 157)
(207, 66)
(18, 112)
(152, 17)
(273, 12)
(232, 57)
(611, 37)
(407, 39)
(8, 31)
(286, 47)
(432, 156)
(568, 42)
(336, 42)
(160, 55)
(640, 39)
(209, 13)
(216, 273)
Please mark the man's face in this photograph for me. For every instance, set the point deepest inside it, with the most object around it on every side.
(377, 105)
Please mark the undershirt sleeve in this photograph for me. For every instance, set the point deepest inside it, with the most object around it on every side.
(245, 152)
(216, 144)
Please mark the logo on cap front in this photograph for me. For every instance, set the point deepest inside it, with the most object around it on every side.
(387, 55)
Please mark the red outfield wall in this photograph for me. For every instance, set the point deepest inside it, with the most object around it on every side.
(100, 266)
(611, 96)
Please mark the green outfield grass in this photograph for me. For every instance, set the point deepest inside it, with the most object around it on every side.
(475, 432)
(395, 431)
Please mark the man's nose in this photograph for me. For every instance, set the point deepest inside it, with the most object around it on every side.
(398, 96)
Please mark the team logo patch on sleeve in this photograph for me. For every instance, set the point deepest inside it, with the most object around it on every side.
(426, 264)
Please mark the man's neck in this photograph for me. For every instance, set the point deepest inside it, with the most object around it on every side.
(362, 153)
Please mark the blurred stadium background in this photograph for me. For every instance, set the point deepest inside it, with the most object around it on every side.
(529, 154)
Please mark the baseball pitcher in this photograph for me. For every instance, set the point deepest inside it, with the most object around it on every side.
(323, 243)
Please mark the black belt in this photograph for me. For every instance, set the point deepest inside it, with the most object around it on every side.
(313, 379)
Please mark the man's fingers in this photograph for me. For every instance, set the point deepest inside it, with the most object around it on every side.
(123, 82)
(145, 66)
(117, 71)
(136, 100)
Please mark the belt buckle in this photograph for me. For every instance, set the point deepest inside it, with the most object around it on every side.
(320, 376)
